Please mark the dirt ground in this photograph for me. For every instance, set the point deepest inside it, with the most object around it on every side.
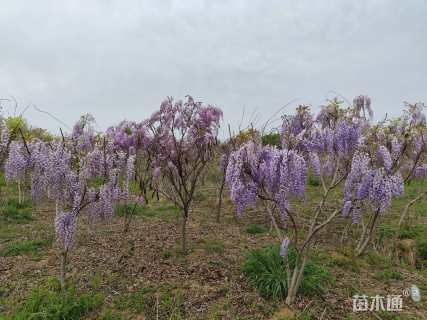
(209, 280)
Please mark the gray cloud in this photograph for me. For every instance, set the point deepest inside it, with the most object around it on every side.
(119, 59)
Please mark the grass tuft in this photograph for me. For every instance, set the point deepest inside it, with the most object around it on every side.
(23, 247)
(255, 229)
(213, 246)
(266, 271)
(166, 300)
(387, 274)
(13, 211)
(48, 304)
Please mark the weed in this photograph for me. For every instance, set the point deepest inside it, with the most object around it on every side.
(12, 210)
(23, 247)
(421, 248)
(266, 271)
(166, 302)
(109, 315)
(313, 181)
(167, 254)
(342, 261)
(213, 246)
(375, 259)
(387, 274)
(255, 229)
(130, 208)
(43, 303)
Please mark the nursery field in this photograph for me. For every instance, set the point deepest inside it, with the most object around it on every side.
(152, 280)
(323, 217)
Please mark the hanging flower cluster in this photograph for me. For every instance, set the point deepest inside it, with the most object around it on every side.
(255, 170)
(76, 172)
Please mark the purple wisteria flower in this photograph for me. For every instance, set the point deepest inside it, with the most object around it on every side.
(256, 170)
(315, 163)
(17, 162)
(421, 171)
(385, 157)
(65, 229)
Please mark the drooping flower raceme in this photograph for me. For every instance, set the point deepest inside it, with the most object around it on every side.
(421, 171)
(374, 185)
(385, 157)
(65, 229)
(17, 162)
(267, 172)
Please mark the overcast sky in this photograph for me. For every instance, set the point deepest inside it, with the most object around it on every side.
(118, 59)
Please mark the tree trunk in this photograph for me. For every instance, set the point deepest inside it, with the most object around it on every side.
(367, 237)
(221, 190)
(19, 193)
(184, 233)
(295, 281)
(410, 204)
(63, 269)
(361, 248)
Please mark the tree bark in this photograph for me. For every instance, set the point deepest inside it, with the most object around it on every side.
(63, 269)
(295, 281)
(184, 232)
(221, 190)
(364, 241)
(410, 204)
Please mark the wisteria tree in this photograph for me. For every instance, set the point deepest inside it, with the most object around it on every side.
(325, 146)
(77, 172)
(392, 155)
(182, 139)
(129, 138)
(409, 140)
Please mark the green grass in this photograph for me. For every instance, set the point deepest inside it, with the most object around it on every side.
(313, 181)
(13, 211)
(167, 254)
(419, 209)
(302, 315)
(255, 229)
(24, 247)
(421, 249)
(8, 231)
(375, 259)
(110, 315)
(416, 232)
(387, 274)
(168, 299)
(51, 304)
(158, 210)
(265, 270)
(123, 209)
(163, 211)
(213, 246)
(14, 202)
